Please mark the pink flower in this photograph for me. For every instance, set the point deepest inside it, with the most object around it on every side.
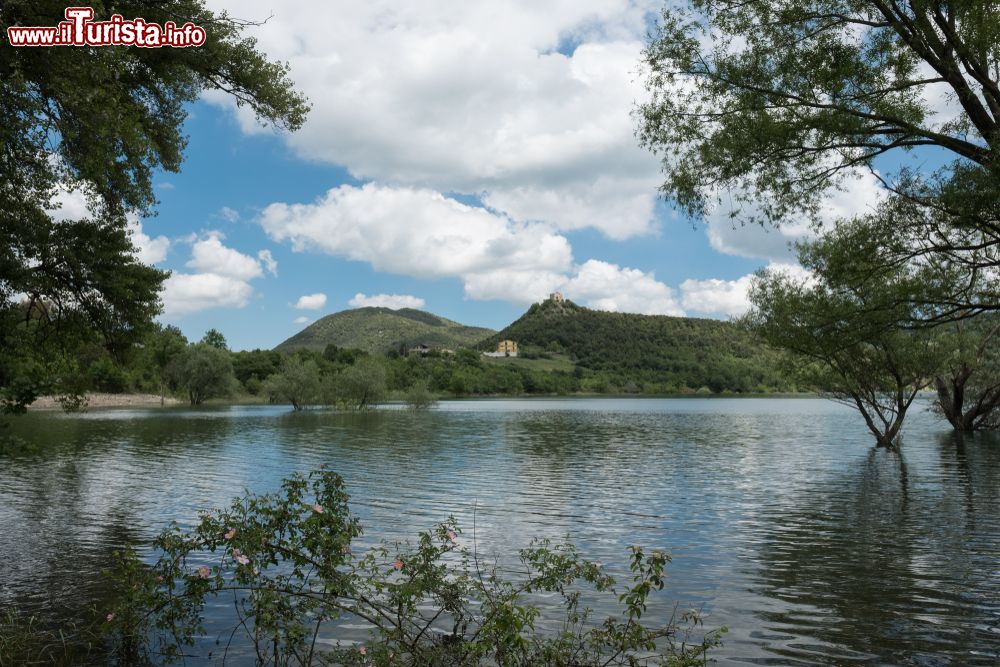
(236, 553)
(397, 564)
(159, 578)
(242, 560)
(362, 650)
(111, 617)
(230, 534)
(204, 572)
(318, 508)
(346, 549)
(452, 535)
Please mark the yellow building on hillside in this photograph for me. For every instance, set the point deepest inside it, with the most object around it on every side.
(507, 348)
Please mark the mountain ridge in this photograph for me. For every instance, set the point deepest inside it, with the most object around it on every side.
(683, 351)
(378, 329)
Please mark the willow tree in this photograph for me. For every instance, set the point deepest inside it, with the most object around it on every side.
(856, 351)
(968, 381)
(852, 317)
(768, 105)
(204, 372)
(298, 382)
(101, 122)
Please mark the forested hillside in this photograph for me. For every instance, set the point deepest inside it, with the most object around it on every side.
(677, 352)
(378, 330)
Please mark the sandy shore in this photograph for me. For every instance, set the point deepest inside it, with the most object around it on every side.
(95, 400)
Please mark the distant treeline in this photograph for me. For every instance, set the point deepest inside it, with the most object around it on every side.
(167, 363)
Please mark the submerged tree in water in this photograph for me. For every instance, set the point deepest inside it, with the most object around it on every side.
(204, 372)
(968, 383)
(361, 385)
(854, 332)
(298, 382)
(878, 371)
(883, 319)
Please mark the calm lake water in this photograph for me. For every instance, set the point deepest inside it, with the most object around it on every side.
(783, 522)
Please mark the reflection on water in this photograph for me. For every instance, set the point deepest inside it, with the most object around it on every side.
(784, 524)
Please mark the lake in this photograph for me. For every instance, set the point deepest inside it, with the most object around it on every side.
(784, 523)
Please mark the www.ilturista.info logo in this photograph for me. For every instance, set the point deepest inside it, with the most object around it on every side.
(79, 30)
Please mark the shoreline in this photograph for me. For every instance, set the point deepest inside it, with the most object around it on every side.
(98, 400)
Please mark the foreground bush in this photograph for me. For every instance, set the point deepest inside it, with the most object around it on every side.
(284, 565)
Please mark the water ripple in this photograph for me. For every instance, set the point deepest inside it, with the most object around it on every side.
(783, 523)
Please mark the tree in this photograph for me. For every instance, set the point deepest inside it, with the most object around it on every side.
(879, 374)
(855, 334)
(419, 396)
(968, 384)
(215, 338)
(204, 372)
(362, 384)
(165, 345)
(259, 364)
(101, 122)
(297, 382)
(771, 103)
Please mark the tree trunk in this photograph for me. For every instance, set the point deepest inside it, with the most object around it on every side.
(950, 399)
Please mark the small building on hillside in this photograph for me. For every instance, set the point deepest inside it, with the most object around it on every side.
(557, 297)
(507, 348)
(422, 349)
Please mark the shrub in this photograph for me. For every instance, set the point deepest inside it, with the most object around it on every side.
(284, 562)
(419, 396)
(107, 376)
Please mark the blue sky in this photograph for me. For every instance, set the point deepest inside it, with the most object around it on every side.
(465, 158)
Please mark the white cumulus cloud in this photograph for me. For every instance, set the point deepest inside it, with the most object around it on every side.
(860, 194)
(416, 232)
(730, 297)
(521, 286)
(301, 319)
(209, 255)
(310, 301)
(606, 286)
(149, 250)
(477, 98)
(421, 233)
(393, 301)
(221, 277)
(716, 297)
(185, 293)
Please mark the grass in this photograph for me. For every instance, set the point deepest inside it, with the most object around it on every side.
(24, 642)
(556, 363)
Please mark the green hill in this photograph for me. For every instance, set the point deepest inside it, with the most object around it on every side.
(676, 351)
(378, 330)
